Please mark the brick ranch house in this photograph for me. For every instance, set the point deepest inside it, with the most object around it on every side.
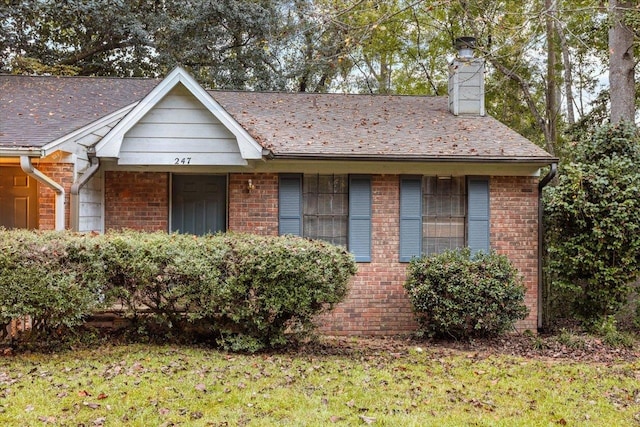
(389, 177)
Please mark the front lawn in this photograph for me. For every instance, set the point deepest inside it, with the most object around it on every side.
(342, 382)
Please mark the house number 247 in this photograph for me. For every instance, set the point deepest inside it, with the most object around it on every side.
(182, 161)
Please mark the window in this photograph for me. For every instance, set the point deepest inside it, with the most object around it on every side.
(325, 208)
(443, 213)
(440, 213)
(334, 208)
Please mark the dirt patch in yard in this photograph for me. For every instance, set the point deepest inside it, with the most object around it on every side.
(576, 347)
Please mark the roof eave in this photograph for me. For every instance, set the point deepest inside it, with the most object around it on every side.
(20, 151)
(429, 159)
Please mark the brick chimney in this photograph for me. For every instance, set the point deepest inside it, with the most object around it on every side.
(466, 80)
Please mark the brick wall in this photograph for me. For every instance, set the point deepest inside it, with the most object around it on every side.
(514, 232)
(137, 200)
(256, 210)
(377, 303)
(62, 173)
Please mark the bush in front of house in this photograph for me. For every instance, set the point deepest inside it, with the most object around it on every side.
(55, 278)
(248, 292)
(268, 289)
(455, 294)
(152, 276)
(245, 292)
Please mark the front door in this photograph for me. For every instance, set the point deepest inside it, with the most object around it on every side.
(18, 199)
(199, 204)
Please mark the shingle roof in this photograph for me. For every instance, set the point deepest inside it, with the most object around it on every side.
(37, 110)
(373, 126)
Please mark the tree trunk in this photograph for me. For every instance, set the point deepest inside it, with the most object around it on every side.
(621, 63)
(568, 73)
(552, 87)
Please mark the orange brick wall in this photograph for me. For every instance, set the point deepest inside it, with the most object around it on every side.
(514, 232)
(62, 173)
(256, 210)
(137, 200)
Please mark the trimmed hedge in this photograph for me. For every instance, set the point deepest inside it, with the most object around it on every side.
(246, 292)
(55, 278)
(455, 294)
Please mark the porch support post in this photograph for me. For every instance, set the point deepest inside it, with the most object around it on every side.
(27, 167)
(74, 196)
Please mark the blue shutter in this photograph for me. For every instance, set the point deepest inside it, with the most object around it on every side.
(478, 226)
(290, 205)
(360, 218)
(410, 218)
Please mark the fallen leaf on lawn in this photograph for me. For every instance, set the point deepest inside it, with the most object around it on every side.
(47, 420)
(163, 411)
(29, 408)
(84, 393)
(196, 415)
(91, 405)
(102, 396)
(335, 419)
(201, 387)
(367, 420)
(99, 422)
(351, 403)
(62, 394)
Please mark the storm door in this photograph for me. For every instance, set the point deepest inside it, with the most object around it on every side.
(18, 199)
(199, 204)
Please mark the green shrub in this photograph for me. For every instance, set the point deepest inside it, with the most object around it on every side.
(153, 274)
(592, 219)
(269, 288)
(455, 294)
(246, 292)
(55, 278)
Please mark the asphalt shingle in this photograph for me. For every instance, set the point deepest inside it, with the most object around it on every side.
(372, 126)
(37, 110)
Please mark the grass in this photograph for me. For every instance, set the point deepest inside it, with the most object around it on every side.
(139, 385)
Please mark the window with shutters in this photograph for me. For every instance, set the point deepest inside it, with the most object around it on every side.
(325, 208)
(442, 213)
(444, 210)
(329, 207)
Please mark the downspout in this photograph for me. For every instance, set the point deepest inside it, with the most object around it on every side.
(74, 197)
(27, 167)
(552, 173)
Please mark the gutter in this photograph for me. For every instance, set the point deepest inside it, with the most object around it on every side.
(402, 158)
(552, 173)
(74, 195)
(27, 167)
(18, 152)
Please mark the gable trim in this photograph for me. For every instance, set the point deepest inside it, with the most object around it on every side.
(110, 145)
(86, 130)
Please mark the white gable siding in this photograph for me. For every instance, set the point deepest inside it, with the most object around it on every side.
(179, 130)
(91, 209)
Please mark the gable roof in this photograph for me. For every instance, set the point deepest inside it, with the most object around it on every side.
(110, 145)
(373, 127)
(35, 111)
